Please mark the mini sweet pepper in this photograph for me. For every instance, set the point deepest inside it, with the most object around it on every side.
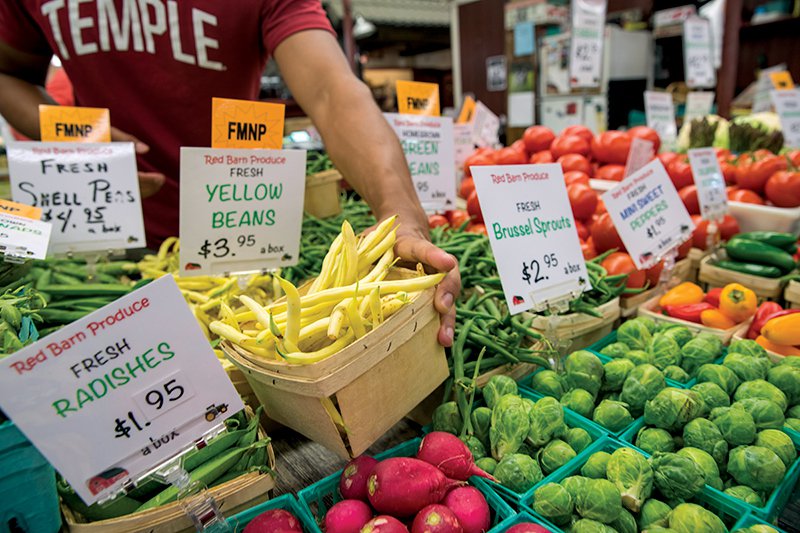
(684, 294)
(688, 312)
(737, 302)
(777, 348)
(714, 318)
(784, 330)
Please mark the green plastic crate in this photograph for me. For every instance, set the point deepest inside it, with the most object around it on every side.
(611, 338)
(322, 495)
(521, 518)
(287, 502)
(752, 520)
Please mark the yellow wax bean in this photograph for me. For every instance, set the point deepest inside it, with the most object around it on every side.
(378, 250)
(163, 250)
(260, 313)
(376, 236)
(356, 323)
(322, 281)
(305, 358)
(336, 322)
(381, 268)
(226, 331)
(350, 254)
(292, 332)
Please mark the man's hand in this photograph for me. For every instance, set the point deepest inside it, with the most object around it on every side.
(149, 182)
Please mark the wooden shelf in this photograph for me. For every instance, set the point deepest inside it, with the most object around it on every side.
(779, 25)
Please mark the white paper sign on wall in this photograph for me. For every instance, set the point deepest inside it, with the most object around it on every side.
(586, 46)
(660, 113)
(698, 105)
(698, 53)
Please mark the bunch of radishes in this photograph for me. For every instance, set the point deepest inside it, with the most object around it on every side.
(274, 521)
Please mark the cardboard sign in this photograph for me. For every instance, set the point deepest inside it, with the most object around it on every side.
(698, 105)
(642, 152)
(782, 80)
(118, 392)
(485, 126)
(698, 53)
(660, 114)
(417, 98)
(532, 232)
(74, 124)
(240, 210)
(20, 210)
(467, 111)
(246, 124)
(88, 191)
(710, 182)
(23, 238)
(586, 45)
(648, 214)
(787, 105)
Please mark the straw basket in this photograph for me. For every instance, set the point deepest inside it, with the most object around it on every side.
(765, 288)
(322, 194)
(581, 329)
(792, 294)
(651, 309)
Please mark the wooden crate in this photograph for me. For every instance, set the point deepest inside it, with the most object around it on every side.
(695, 256)
(629, 305)
(322, 194)
(651, 309)
(792, 295)
(579, 329)
(765, 288)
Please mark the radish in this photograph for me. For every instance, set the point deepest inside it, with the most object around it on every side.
(470, 507)
(384, 524)
(272, 521)
(450, 455)
(353, 483)
(347, 516)
(528, 527)
(401, 486)
(436, 519)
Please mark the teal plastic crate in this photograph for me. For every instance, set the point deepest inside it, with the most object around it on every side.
(750, 519)
(287, 502)
(322, 495)
(611, 338)
(521, 518)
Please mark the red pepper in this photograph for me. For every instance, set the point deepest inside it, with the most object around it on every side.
(763, 313)
(760, 325)
(688, 312)
(712, 296)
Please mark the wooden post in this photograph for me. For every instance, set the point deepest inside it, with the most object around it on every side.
(726, 83)
(347, 34)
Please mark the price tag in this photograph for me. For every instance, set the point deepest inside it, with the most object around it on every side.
(787, 104)
(462, 144)
(698, 105)
(417, 98)
(23, 238)
(467, 111)
(586, 45)
(118, 392)
(485, 126)
(698, 53)
(764, 84)
(240, 210)
(20, 210)
(246, 124)
(428, 145)
(88, 191)
(782, 80)
(710, 183)
(661, 116)
(74, 124)
(648, 214)
(642, 152)
(533, 233)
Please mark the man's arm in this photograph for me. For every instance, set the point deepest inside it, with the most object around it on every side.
(366, 150)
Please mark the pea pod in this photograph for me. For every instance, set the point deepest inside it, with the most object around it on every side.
(760, 253)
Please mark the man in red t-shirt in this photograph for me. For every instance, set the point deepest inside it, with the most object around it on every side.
(156, 64)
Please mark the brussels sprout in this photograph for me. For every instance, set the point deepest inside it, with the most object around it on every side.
(715, 341)
(625, 523)
(487, 464)
(643, 384)
(640, 357)
(712, 395)
(497, 387)
(584, 370)
(553, 502)
(549, 383)
(721, 375)
(676, 373)
(766, 413)
(630, 472)
(509, 426)
(481, 422)
(585, 525)
(665, 351)
(705, 435)
(757, 528)
(793, 412)
(746, 494)
(580, 401)
(598, 499)
(677, 477)
(691, 518)
(447, 418)
(578, 439)
(779, 442)
(574, 485)
(635, 333)
(787, 379)
(706, 462)
(655, 513)
(612, 415)
(527, 405)
(653, 440)
(649, 323)
(546, 421)
(616, 372)
(554, 455)
(736, 425)
(612, 396)
(680, 334)
(760, 388)
(595, 466)
(615, 350)
(792, 423)
(747, 347)
(475, 446)
(673, 408)
(790, 361)
(698, 352)
(518, 472)
(757, 467)
(746, 367)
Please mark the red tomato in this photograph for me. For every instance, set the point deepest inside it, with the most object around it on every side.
(540, 158)
(510, 156)
(605, 235)
(728, 172)
(583, 200)
(467, 186)
(689, 198)
(783, 189)
(576, 176)
(683, 249)
(458, 217)
(700, 234)
(755, 175)
(477, 227)
(643, 132)
(745, 196)
(621, 263)
(474, 207)
(587, 247)
(519, 146)
(680, 172)
(762, 153)
(722, 153)
(580, 131)
(653, 274)
(729, 227)
(434, 221)
(611, 147)
(666, 158)
(570, 144)
(583, 231)
(601, 207)
(476, 160)
(610, 172)
(575, 162)
(538, 138)
(794, 157)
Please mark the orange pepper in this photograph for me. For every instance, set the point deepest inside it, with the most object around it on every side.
(737, 302)
(777, 348)
(714, 318)
(684, 294)
(784, 330)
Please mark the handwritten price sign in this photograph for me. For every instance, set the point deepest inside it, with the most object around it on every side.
(787, 104)
(698, 53)
(586, 47)
(710, 183)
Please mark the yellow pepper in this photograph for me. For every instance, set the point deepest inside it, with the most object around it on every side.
(737, 302)
(684, 294)
(783, 330)
(779, 349)
(714, 318)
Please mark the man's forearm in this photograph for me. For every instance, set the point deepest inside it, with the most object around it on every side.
(19, 104)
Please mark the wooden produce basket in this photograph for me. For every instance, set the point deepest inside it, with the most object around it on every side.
(629, 305)
(792, 295)
(651, 309)
(580, 329)
(695, 256)
(765, 288)
(322, 194)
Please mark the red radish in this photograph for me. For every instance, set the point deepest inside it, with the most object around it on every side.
(347, 516)
(450, 455)
(353, 483)
(401, 486)
(272, 521)
(436, 519)
(384, 524)
(470, 507)
(528, 527)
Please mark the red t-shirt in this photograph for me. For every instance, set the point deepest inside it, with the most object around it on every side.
(156, 64)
